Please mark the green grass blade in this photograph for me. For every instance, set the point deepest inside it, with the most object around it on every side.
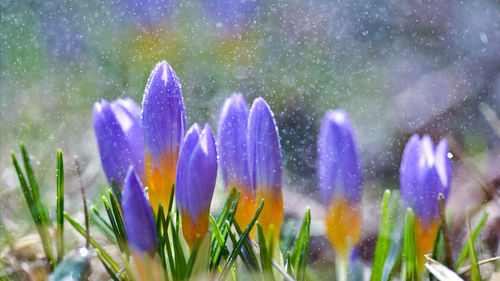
(116, 192)
(97, 220)
(383, 240)
(109, 270)
(474, 267)
(35, 213)
(80, 229)
(248, 247)
(265, 258)
(240, 243)
(60, 206)
(192, 258)
(475, 233)
(301, 247)
(409, 249)
(119, 221)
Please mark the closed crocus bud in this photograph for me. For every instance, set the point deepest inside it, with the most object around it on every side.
(138, 216)
(163, 120)
(195, 183)
(232, 142)
(340, 181)
(264, 162)
(425, 172)
(117, 126)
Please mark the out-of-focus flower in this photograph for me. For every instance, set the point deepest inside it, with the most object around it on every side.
(146, 13)
(340, 181)
(117, 126)
(425, 172)
(163, 120)
(231, 15)
(138, 217)
(264, 163)
(195, 183)
(232, 141)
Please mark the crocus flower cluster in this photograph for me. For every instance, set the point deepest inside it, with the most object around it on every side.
(160, 155)
(250, 157)
(426, 172)
(152, 150)
(340, 180)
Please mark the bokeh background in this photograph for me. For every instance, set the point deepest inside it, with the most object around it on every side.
(398, 68)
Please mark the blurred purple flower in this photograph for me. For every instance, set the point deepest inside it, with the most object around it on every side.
(340, 181)
(264, 162)
(117, 126)
(425, 172)
(232, 141)
(163, 120)
(195, 182)
(146, 13)
(231, 15)
(339, 168)
(138, 216)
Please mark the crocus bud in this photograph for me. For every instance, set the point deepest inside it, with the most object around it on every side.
(232, 142)
(425, 172)
(340, 181)
(138, 217)
(117, 126)
(163, 122)
(264, 163)
(195, 183)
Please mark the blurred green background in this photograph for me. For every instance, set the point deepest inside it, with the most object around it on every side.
(398, 68)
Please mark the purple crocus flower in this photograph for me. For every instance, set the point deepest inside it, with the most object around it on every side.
(117, 126)
(163, 120)
(340, 181)
(232, 141)
(195, 182)
(138, 216)
(425, 172)
(264, 162)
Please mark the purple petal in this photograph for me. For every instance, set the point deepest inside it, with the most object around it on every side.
(425, 172)
(163, 113)
(264, 153)
(339, 168)
(119, 138)
(196, 172)
(232, 141)
(138, 216)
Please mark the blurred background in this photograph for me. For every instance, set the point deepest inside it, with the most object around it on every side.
(397, 67)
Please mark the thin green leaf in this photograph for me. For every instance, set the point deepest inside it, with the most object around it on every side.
(265, 258)
(475, 233)
(60, 206)
(34, 208)
(474, 267)
(409, 249)
(80, 229)
(383, 240)
(240, 243)
(109, 270)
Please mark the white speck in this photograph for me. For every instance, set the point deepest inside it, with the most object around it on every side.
(218, 24)
(450, 155)
(483, 37)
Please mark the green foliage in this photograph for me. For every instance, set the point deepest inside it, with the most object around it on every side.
(465, 250)
(60, 206)
(36, 207)
(227, 246)
(410, 266)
